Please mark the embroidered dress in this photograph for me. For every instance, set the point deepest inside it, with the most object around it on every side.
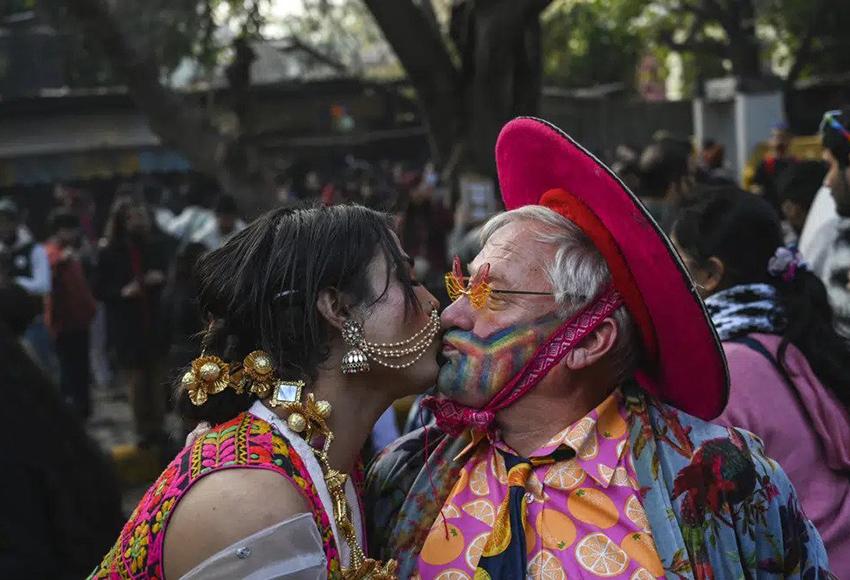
(717, 506)
(583, 516)
(244, 442)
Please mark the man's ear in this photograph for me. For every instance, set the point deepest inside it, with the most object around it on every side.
(333, 307)
(594, 346)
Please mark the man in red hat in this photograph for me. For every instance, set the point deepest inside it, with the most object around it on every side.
(572, 437)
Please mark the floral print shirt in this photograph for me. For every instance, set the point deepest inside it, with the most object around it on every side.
(585, 518)
(717, 506)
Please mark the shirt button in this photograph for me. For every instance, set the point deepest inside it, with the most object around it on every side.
(529, 497)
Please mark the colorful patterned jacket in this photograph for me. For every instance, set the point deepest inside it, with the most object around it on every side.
(717, 506)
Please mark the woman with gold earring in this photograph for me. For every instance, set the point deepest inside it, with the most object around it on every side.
(316, 325)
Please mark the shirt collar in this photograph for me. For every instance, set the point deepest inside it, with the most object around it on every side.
(599, 451)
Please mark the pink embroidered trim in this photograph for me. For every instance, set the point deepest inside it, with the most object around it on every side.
(454, 419)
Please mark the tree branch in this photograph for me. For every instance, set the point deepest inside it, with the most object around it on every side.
(714, 9)
(429, 66)
(296, 42)
(804, 51)
(427, 8)
(142, 76)
(695, 9)
(693, 45)
(692, 41)
(178, 123)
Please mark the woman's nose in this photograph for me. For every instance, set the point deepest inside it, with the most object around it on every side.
(428, 299)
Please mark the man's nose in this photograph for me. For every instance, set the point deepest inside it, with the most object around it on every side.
(459, 314)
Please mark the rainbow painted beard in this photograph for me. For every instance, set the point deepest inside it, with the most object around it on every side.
(480, 367)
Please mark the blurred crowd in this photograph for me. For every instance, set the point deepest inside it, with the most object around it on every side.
(110, 303)
(114, 287)
(119, 297)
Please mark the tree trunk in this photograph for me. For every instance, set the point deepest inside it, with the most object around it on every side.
(179, 123)
(429, 66)
(499, 75)
(506, 78)
(739, 24)
(804, 52)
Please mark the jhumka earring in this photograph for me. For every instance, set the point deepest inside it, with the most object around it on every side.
(354, 361)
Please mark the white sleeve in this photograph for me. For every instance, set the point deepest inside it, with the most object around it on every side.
(177, 225)
(290, 550)
(819, 247)
(206, 236)
(822, 211)
(40, 282)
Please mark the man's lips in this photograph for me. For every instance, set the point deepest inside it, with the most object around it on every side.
(447, 348)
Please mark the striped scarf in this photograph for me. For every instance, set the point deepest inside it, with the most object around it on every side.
(744, 309)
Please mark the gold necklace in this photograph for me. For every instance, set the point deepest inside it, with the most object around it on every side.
(314, 424)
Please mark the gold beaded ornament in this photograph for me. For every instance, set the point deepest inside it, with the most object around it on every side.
(259, 368)
(309, 418)
(209, 375)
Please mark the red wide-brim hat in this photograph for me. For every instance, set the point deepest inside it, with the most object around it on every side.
(683, 362)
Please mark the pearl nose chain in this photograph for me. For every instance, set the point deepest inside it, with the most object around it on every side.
(385, 353)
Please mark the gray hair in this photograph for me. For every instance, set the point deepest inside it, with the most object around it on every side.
(578, 274)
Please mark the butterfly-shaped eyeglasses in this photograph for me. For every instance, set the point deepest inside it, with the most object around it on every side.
(477, 288)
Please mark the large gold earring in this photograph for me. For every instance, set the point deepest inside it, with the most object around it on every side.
(355, 360)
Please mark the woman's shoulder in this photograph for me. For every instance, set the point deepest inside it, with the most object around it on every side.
(747, 358)
(242, 476)
(753, 379)
(229, 480)
(224, 507)
(755, 357)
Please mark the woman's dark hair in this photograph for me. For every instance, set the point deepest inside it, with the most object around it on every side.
(744, 231)
(661, 164)
(61, 218)
(799, 182)
(116, 224)
(260, 290)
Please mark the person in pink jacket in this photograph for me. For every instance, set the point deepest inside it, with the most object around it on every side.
(789, 368)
